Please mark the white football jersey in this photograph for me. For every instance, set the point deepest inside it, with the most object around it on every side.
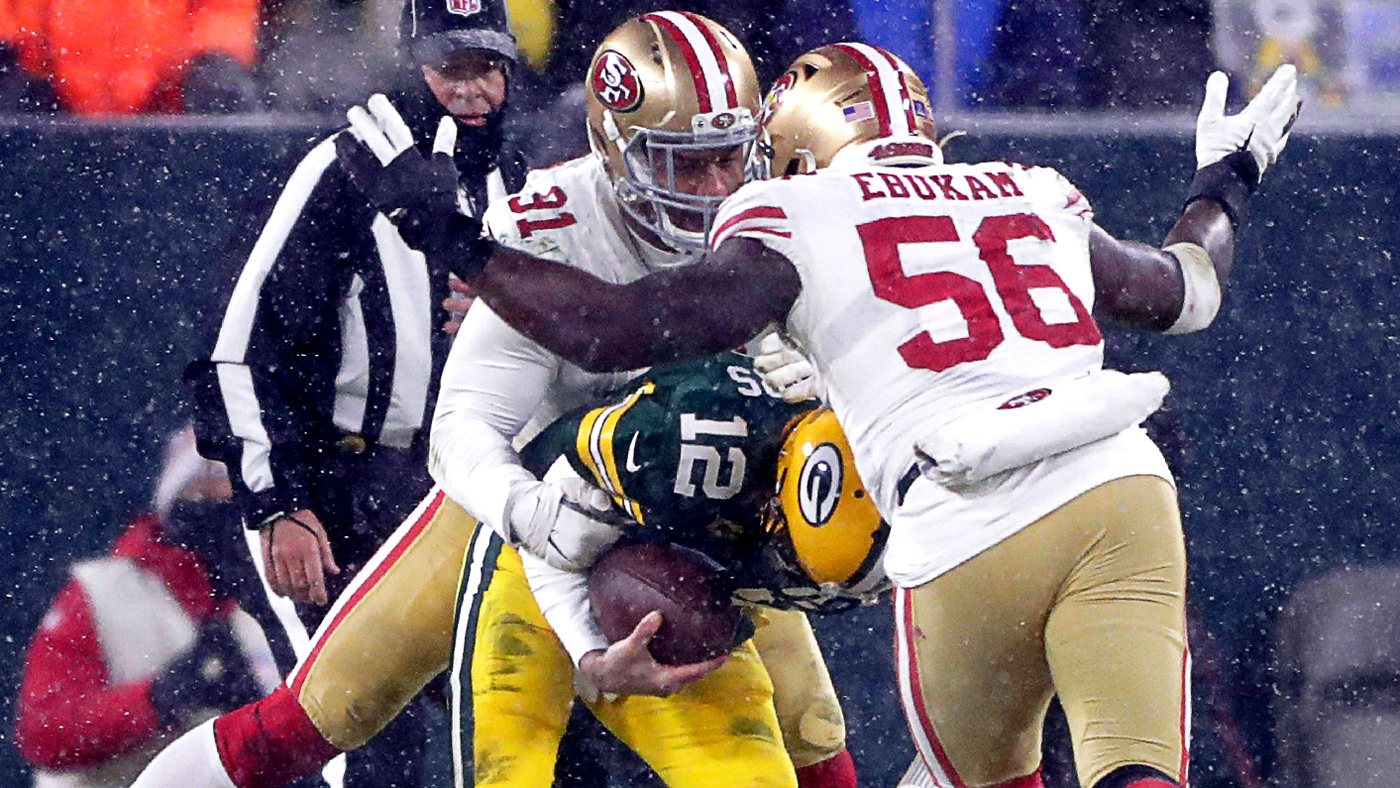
(928, 292)
(499, 387)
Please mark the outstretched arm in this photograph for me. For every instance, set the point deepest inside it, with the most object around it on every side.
(716, 304)
(1177, 289)
(1141, 286)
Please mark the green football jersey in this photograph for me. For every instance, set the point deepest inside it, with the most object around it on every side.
(688, 451)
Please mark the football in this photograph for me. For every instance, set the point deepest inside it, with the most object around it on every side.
(699, 622)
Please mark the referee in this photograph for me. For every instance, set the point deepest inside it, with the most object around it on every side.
(317, 384)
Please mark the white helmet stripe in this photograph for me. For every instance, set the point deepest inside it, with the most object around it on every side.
(887, 87)
(713, 84)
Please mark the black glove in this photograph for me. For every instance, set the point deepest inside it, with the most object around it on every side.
(212, 674)
(417, 193)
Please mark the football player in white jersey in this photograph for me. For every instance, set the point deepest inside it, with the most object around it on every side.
(673, 102)
(672, 120)
(949, 310)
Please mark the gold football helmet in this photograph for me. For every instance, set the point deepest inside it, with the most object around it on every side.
(822, 525)
(662, 83)
(837, 95)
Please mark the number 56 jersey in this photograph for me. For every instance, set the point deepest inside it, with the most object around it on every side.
(929, 293)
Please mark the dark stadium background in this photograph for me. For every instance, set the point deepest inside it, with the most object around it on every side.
(1285, 411)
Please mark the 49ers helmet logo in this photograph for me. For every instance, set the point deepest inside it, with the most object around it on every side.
(770, 104)
(819, 487)
(615, 83)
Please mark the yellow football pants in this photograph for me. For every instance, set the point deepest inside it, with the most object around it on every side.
(392, 631)
(719, 732)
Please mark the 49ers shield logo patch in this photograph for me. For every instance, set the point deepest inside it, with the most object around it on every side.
(464, 7)
(615, 82)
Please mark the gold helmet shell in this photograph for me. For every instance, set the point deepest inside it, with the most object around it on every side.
(838, 95)
(824, 512)
(660, 83)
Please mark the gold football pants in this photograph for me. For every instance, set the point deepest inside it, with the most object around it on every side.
(718, 732)
(1089, 603)
(391, 632)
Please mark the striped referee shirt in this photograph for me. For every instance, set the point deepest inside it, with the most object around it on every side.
(332, 330)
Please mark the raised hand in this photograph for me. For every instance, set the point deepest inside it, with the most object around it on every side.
(1261, 129)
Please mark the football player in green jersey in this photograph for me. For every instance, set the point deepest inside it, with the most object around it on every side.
(705, 455)
(693, 454)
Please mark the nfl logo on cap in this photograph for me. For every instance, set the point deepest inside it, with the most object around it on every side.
(464, 7)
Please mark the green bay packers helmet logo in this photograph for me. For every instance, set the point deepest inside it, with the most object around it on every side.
(819, 487)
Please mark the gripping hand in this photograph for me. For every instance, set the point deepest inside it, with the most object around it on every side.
(564, 521)
(1232, 152)
(417, 193)
(785, 369)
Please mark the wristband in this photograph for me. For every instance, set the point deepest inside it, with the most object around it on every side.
(464, 250)
(1201, 300)
(1229, 182)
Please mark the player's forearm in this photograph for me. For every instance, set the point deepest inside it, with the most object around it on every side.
(1176, 288)
(605, 327)
(476, 466)
(1206, 224)
(596, 324)
(563, 598)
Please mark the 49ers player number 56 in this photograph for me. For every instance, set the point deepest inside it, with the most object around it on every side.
(928, 295)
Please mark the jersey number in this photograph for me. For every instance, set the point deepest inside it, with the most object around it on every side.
(551, 200)
(709, 458)
(1014, 283)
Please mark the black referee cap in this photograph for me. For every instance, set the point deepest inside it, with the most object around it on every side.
(433, 29)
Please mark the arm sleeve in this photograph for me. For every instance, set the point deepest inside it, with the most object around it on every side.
(68, 716)
(563, 598)
(1056, 194)
(275, 347)
(754, 212)
(493, 382)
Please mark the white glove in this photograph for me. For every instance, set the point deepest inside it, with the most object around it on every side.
(1261, 128)
(558, 520)
(786, 370)
(382, 129)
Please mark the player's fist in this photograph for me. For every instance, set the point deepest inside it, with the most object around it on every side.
(628, 668)
(1260, 130)
(786, 370)
(563, 520)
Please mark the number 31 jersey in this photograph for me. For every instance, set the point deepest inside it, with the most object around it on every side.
(929, 292)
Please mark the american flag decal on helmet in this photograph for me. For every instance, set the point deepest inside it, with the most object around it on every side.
(464, 7)
(858, 112)
(889, 93)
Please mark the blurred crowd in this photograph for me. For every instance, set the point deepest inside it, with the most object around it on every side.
(94, 58)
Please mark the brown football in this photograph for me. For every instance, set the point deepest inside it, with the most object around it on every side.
(634, 578)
